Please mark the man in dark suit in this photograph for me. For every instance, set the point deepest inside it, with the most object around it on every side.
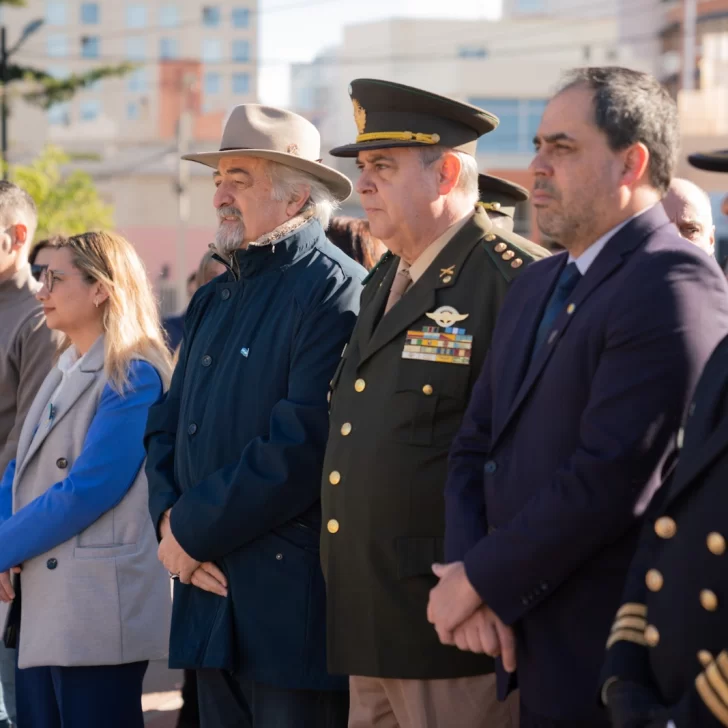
(398, 397)
(667, 659)
(573, 421)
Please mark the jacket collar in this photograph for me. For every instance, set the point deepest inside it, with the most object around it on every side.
(277, 254)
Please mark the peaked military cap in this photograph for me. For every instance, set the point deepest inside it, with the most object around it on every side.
(393, 115)
(500, 195)
(711, 161)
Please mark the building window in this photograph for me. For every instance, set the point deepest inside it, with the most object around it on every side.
(137, 81)
(241, 83)
(57, 45)
(60, 114)
(60, 73)
(132, 111)
(168, 16)
(519, 120)
(136, 48)
(211, 50)
(469, 52)
(212, 83)
(211, 16)
(241, 51)
(90, 46)
(168, 49)
(136, 16)
(55, 12)
(241, 17)
(89, 13)
(90, 109)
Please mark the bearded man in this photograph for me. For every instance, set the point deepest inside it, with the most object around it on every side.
(235, 448)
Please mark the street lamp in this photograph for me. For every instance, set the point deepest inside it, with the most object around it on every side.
(5, 55)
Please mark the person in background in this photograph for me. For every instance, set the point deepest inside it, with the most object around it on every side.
(667, 656)
(40, 255)
(353, 236)
(573, 422)
(26, 356)
(688, 206)
(499, 197)
(94, 601)
(235, 448)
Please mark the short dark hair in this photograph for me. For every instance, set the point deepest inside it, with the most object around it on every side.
(632, 107)
(53, 242)
(353, 237)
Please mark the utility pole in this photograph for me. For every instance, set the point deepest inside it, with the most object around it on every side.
(4, 101)
(184, 136)
(690, 18)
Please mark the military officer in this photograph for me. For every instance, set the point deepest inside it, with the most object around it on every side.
(499, 197)
(667, 657)
(428, 312)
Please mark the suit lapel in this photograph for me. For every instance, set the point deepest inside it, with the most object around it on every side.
(78, 382)
(421, 298)
(610, 259)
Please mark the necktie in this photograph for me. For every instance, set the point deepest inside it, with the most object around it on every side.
(566, 283)
(401, 283)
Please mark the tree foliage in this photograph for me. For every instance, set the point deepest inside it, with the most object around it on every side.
(67, 204)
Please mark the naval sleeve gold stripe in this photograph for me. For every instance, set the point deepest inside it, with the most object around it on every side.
(722, 661)
(717, 681)
(632, 609)
(627, 635)
(398, 136)
(711, 700)
(638, 623)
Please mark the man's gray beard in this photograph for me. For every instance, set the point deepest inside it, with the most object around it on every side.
(229, 238)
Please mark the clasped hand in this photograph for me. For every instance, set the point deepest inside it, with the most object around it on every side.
(7, 593)
(461, 619)
(204, 575)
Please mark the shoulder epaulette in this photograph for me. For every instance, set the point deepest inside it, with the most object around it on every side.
(511, 252)
(384, 259)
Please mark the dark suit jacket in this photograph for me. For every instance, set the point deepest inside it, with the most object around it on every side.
(662, 632)
(558, 460)
(393, 420)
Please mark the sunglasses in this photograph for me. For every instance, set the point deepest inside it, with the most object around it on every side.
(37, 271)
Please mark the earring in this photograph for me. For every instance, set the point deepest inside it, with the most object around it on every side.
(96, 303)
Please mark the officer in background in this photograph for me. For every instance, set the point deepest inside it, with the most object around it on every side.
(667, 659)
(499, 197)
(399, 393)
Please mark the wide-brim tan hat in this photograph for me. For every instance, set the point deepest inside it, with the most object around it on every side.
(265, 132)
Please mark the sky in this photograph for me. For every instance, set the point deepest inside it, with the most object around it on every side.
(296, 30)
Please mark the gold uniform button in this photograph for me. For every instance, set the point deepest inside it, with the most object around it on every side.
(705, 658)
(427, 389)
(508, 255)
(665, 527)
(500, 247)
(654, 580)
(716, 543)
(652, 636)
(709, 600)
(332, 526)
(335, 477)
(360, 385)
(346, 429)
(517, 263)
(490, 237)
(496, 205)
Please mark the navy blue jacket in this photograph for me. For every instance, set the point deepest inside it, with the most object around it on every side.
(236, 449)
(553, 466)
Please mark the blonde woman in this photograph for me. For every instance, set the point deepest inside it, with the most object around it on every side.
(75, 535)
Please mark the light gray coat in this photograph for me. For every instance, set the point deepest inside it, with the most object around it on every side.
(102, 604)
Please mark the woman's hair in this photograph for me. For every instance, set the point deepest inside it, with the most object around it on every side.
(131, 318)
(352, 236)
(51, 242)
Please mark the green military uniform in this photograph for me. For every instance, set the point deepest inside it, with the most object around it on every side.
(499, 197)
(397, 400)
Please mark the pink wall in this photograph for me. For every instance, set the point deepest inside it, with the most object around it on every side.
(157, 246)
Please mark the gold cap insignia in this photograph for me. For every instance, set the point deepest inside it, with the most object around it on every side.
(360, 116)
(446, 316)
